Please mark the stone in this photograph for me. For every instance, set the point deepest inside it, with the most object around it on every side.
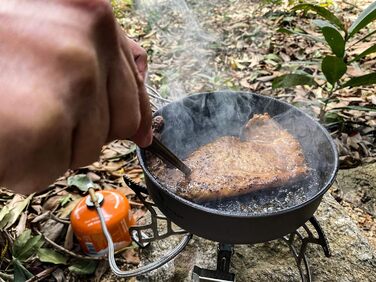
(358, 186)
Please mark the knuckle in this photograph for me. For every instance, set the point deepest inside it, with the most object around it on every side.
(79, 62)
(76, 51)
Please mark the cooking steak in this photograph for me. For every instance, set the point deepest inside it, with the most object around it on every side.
(265, 156)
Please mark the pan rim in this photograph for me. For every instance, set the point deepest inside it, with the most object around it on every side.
(322, 191)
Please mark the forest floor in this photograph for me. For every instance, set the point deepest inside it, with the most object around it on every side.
(199, 46)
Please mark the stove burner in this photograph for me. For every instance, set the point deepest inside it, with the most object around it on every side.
(297, 241)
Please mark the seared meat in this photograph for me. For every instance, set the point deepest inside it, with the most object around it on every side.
(268, 157)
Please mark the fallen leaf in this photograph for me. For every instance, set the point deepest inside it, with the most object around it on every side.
(59, 276)
(52, 229)
(131, 256)
(51, 256)
(26, 244)
(15, 210)
(21, 224)
(100, 271)
(68, 242)
(81, 181)
(41, 217)
(52, 203)
(4, 211)
(83, 267)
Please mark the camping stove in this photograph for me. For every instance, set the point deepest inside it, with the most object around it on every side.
(309, 233)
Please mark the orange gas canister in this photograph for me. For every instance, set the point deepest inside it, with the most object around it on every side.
(87, 227)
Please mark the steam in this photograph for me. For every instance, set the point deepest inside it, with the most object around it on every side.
(196, 121)
(185, 51)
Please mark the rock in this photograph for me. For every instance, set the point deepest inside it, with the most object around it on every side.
(353, 259)
(358, 187)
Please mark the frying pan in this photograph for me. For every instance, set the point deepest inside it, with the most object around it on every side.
(201, 118)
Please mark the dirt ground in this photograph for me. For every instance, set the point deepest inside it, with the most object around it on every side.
(196, 46)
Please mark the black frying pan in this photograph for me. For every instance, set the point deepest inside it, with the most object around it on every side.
(201, 118)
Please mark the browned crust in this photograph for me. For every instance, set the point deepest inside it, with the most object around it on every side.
(270, 157)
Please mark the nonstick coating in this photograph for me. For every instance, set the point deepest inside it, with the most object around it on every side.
(199, 119)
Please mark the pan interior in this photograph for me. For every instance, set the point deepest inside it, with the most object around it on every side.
(199, 119)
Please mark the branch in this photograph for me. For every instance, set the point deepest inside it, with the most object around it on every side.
(41, 275)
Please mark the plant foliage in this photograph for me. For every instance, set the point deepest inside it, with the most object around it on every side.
(338, 38)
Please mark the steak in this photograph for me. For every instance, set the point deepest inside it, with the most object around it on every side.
(265, 156)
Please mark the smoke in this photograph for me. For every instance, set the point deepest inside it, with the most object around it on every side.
(183, 63)
(183, 60)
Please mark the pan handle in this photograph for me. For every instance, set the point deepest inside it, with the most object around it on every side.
(137, 188)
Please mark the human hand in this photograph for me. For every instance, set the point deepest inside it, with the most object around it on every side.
(140, 57)
(68, 84)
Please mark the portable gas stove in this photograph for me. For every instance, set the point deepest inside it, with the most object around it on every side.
(309, 233)
(194, 121)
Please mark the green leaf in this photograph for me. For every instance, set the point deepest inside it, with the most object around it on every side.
(290, 80)
(23, 250)
(326, 14)
(294, 32)
(11, 217)
(4, 211)
(51, 256)
(285, 30)
(321, 23)
(366, 52)
(83, 267)
(365, 17)
(332, 118)
(21, 274)
(335, 40)
(81, 181)
(333, 68)
(358, 108)
(65, 199)
(21, 241)
(367, 79)
(26, 244)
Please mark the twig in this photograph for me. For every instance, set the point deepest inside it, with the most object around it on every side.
(50, 193)
(323, 108)
(361, 39)
(68, 252)
(64, 250)
(351, 4)
(41, 275)
(6, 276)
(58, 219)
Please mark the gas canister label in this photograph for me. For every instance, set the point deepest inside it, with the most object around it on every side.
(90, 248)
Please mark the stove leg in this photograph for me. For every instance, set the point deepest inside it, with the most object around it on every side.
(221, 274)
(299, 254)
(225, 251)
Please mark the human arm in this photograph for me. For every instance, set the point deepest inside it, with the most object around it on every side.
(68, 85)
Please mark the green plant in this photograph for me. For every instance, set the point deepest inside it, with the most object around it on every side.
(339, 39)
(27, 249)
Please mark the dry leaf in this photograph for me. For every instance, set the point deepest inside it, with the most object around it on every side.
(101, 270)
(68, 242)
(131, 256)
(21, 224)
(52, 203)
(52, 229)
